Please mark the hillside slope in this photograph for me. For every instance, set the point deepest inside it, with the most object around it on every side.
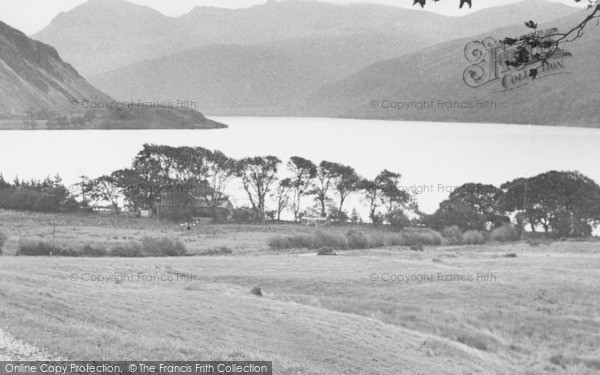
(32, 75)
(436, 74)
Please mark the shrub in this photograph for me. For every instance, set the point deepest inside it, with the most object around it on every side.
(396, 240)
(357, 240)
(325, 239)
(90, 251)
(163, 247)
(246, 215)
(377, 240)
(417, 247)
(38, 248)
(326, 251)
(473, 237)
(453, 234)
(223, 250)
(314, 241)
(418, 236)
(398, 219)
(256, 291)
(3, 239)
(128, 250)
(505, 233)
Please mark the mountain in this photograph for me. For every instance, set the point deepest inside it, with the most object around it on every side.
(103, 35)
(32, 75)
(34, 79)
(436, 74)
(275, 78)
(248, 79)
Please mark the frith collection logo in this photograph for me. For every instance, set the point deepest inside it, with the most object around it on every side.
(488, 58)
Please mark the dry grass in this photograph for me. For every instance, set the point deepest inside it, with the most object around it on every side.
(317, 315)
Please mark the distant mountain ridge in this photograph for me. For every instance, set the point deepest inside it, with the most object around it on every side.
(104, 35)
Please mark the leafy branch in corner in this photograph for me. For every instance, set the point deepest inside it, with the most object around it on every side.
(536, 46)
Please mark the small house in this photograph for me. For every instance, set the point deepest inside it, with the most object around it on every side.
(223, 208)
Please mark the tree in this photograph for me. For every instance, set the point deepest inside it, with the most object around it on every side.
(219, 171)
(281, 195)
(453, 212)
(322, 183)
(483, 199)
(303, 172)
(392, 196)
(372, 192)
(105, 189)
(346, 182)
(258, 175)
(564, 203)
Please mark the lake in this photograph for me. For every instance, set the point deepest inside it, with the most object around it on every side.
(433, 157)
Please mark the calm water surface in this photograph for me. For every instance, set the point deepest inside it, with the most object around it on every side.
(432, 156)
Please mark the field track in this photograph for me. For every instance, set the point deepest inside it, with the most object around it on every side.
(15, 350)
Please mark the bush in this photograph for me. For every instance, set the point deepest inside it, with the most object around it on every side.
(357, 240)
(3, 239)
(473, 237)
(398, 219)
(93, 252)
(256, 291)
(128, 250)
(453, 234)
(164, 246)
(326, 251)
(325, 239)
(505, 233)
(223, 250)
(417, 236)
(314, 241)
(150, 247)
(38, 248)
(246, 215)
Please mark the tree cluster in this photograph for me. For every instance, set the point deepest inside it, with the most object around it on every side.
(565, 204)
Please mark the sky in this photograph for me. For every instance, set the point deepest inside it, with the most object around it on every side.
(30, 16)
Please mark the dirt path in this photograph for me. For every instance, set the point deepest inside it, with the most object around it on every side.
(15, 350)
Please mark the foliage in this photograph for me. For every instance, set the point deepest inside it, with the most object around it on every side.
(455, 213)
(357, 240)
(258, 175)
(566, 203)
(48, 195)
(246, 215)
(148, 247)
(163, 247)
(303, 172)
(505, 233)
(3, 239)
(398, 219)
(453, 234)
(473, 237)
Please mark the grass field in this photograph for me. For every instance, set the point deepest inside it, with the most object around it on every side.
(536, 313)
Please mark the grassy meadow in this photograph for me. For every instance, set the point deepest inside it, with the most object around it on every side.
(538, 312)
